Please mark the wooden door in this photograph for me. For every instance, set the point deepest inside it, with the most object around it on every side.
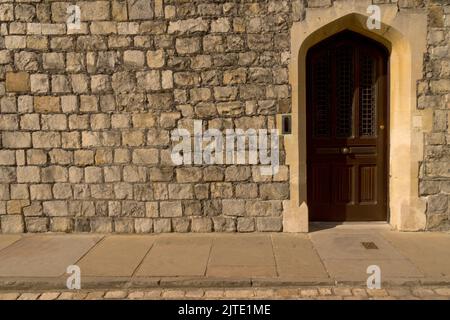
(347, 129)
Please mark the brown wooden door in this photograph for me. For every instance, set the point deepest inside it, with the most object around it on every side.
(347, 130)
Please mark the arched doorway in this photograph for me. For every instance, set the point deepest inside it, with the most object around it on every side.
(404, 34)
(347, 129)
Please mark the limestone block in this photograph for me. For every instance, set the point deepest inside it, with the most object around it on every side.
(245, 224)
(201, 224)
(17, 81)
(170, 209)
(12, 224)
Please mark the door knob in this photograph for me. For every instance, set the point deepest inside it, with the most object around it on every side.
(382, 127)
(345, 150)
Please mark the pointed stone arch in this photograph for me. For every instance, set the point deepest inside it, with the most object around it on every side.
(404, 34)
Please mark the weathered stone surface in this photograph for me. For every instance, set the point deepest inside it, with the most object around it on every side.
(46, 140)
(26, 61)
(53, 61)
(16, 140)
(140, 10)
(181, 225)
(192, 208)
(222, 224)
(12, 223)
(162, 225)
(237, 173)
(188, 26)
(187, 45)
(156, 58)
(46, 104)
(101, 225)
(181, 191)
(55, 208)
(273, 224)
(170, 209)
(192, 174)
(234, 207)
(16, 206)
(7, 174)
(149, 81)
(6, 12)
(122, 82)
(124, 225)
(437, 203)
(94, 10)
(145, 156)
(7, 157)
(28, 174)
(119, 10)
(8, 104)
(274, 191)
(17, 81)
(212, 173)
(263, 208)
(133, 59)
(143, 225)
(8, 122)
(201, 225)
(35, 224)
(245, 225)
(15, 42)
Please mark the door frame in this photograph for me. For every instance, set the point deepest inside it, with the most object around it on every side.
(385, 109)
(400, 32)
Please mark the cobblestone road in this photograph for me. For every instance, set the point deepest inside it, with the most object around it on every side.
(333, 293)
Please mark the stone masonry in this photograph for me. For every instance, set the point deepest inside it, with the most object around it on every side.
(86, 113)
(434, 93)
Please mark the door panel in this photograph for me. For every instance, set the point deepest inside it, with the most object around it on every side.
(321, 183)
(347, 128)
(367, 184)
(343, 178)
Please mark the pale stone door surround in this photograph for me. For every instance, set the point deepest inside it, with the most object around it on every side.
(404, 34)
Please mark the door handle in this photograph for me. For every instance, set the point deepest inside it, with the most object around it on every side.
(345, 150)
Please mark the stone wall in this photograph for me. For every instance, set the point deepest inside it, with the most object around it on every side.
(434, 94)
(86, 114)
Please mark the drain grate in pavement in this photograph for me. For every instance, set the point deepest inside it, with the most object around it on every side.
(369, 245)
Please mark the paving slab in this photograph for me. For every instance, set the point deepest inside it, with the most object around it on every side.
(346, 259)
(177, 256)
(242, 256)
(349, 245)
(353, 270)
(8, 239)
(116, 256)
(245, 250)
(430, 252)
(44, 256)
(296, 257)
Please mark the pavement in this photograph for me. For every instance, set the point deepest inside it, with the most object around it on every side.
(328, 257)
